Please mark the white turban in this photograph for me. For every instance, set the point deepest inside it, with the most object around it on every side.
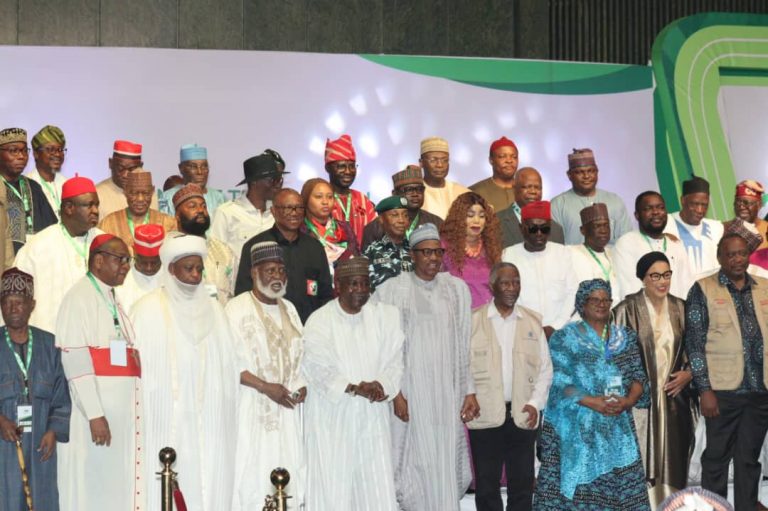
(178, 245)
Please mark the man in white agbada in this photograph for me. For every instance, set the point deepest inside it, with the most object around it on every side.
(353, 363)
(651, 215)
(102, 466)
(268, 330)
(699, 235)
(594, 259)
(191, 375)
(431, 454)
(57, 256)
(144, 275)
(548, 281)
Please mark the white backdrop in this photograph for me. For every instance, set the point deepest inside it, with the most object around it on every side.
(238, 103)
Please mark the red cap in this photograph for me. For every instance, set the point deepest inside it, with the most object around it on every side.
(100, 240)
(340, 149)
(127, 148)
(539, 210)
(749, 188)
(147, 239)
(75, 186)
(502, 142)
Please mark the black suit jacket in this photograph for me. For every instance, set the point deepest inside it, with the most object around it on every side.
(512, 235)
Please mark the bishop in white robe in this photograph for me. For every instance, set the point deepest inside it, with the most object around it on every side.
(102, 466)
(191, 374)
(353, 363)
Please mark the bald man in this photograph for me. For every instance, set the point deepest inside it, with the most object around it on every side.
(528, 188)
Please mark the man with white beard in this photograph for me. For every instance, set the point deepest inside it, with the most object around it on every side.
(144, 275)
(190, 373)
(268, 330)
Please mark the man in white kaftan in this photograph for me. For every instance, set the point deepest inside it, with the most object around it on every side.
(353, 363)
(594, 259)
(548, 282)
(57, 256)
(191, 373)
(431, 455)
(268, 330)
(101, 467)
(699, 235)
(144, 275)
(651, 214)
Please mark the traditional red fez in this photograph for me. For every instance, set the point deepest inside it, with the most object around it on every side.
(749, 188)
(99, 241)
(127, 148)
(75, 186)
(147, 239)
(340, 149)
(503, 141)
(538, 209)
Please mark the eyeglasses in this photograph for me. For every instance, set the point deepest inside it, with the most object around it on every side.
(50, 151)
(543, 229)
(15, 151)
(434, 160)
(345, 166)
(292, 208)
(429, 252)
(122, 259)
(595, 302)
(747, 203)
(658, 276)
(412, 189)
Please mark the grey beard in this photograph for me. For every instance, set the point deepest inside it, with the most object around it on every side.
(267, 290)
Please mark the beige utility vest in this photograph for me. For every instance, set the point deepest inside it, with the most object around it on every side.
(724, 348)
(485, 364)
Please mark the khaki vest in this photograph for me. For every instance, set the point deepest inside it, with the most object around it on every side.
(485, 364)
(724, 348)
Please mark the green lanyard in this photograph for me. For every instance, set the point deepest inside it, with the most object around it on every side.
(52, 190)
(130, 220)
(413, 225)
(24, 367)
(80, 250)
(606, 272)
(664, 246)
(111, 306)
(345, 209)
(24, 198)
(324, 238)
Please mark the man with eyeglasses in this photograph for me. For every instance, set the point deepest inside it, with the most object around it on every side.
(239, 220)
(194, 168)
(583, 172)
(528, 189)
(58, 255)
(192, 218)
(439, 192)
(437, 393)
(349, 205)
(309, 277)
(28, 209)
(746, 205)
(548, 282)
(49, 149)
(126, 158)
(139, 191)
(651, 215)
(409, 184)
(726, 323)
(499, 189)
(104, 372)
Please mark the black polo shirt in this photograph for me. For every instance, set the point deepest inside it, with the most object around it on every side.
(309, 278)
